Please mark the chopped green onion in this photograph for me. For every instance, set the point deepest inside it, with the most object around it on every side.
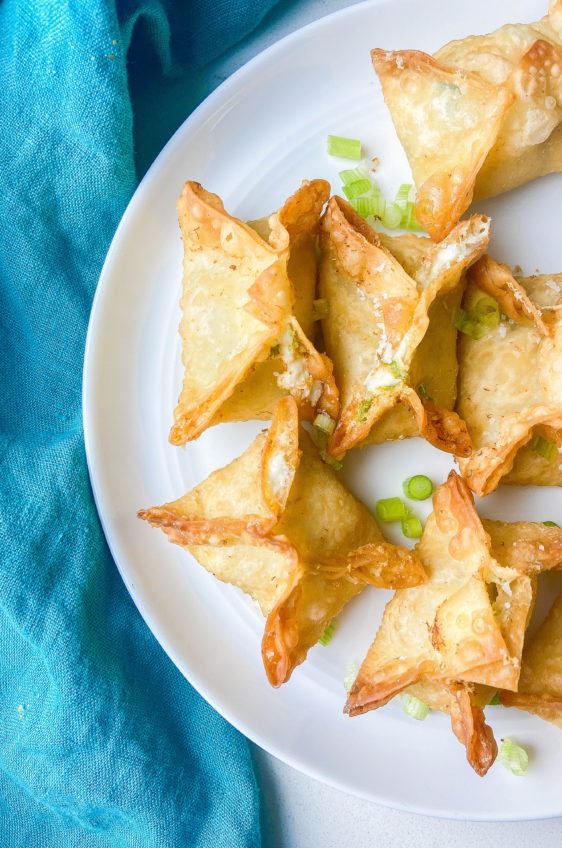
(402, 196)
(369, 205)
(351, 175)
(487, 311)
(391, 509)
(351, 672)
(395, 370)
(550, 524)
(412, 527)
(325, 423)
(392, 216)
(409, 220)
(422, 390)
(320, 309)
(275, 350)
(419, 487)
(514, 757)
(331, 461)
(494, 700)
(328, 633)
(356, 189)
(544, 448)
(465, 322)
(347, 148)
(413, 707)
(363, 410)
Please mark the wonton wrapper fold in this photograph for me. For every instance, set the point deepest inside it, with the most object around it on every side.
(241, 295)
(510, 380)
(279, 524)
(482, 116)
(458, 637)
(380, 307)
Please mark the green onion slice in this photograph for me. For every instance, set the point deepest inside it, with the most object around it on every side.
(413, 707)
(514, 757)
(423, 390)
(351, 672)
(419, 487)
(352, 175)
(275, 350)
(391, 509)
(325, 423)
(494, 700)
(392, 216)
(356, 189)
(402, 196)
(320, 309)
(363, 410)
(487, 312)
(544, 448)
(328, 633)
(412, 527)
(331, 461)
(467, 324)
(550, 524)
(366, 206)
(347, 148)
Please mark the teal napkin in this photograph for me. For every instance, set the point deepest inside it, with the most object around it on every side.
(102, 741)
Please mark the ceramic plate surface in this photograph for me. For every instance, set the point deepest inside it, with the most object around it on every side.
(252, 142)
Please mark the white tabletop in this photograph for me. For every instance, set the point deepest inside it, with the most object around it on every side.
(298, 811)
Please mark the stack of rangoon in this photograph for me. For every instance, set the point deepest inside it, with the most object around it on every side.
(313, 315)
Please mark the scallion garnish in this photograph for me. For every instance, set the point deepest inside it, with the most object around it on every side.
(363, 410)
(395, 370)
(419, 487)
(352, 175)
(412, 527)
(391, 509)
(514, 757)
(392, 216)
(331, 461)
(487, 311)
(544, 448)
(366, 206)
(320, 309)
(347, 148)
(351, 672)
(325, 423)
(275, 350)
(402, 196)
(356, 189)
(423, 390)
(466, 323)
(494, 700)
(550, 524)
(413, 707)
(328, 633)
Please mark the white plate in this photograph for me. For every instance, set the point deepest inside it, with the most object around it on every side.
(252, 142)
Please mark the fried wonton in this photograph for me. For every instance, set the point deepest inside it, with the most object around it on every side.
(382, 293)
(278, 523)
(242, 344)
(540, 683)
(481, 116)
(463, 629)
(510, 381)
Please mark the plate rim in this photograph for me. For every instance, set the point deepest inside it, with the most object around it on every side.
(205, 108)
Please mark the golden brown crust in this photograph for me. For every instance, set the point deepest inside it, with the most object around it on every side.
(470, 728)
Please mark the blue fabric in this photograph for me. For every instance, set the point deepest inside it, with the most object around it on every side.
(102, 741)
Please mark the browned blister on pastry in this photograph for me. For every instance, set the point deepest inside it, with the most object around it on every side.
(243, 295)
(481, 116)
(383, 293)
(510, 381)
(279, 524)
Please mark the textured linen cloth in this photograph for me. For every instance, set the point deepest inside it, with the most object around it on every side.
(102, 741)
